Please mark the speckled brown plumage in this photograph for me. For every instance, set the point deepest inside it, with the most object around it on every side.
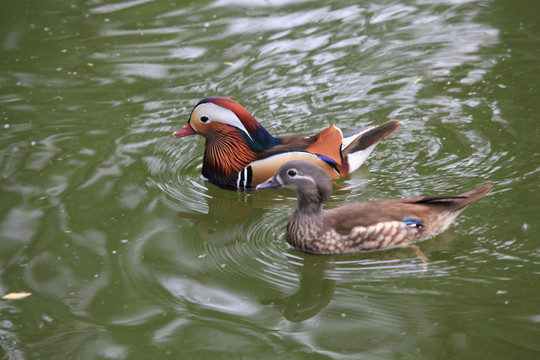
(366, 226)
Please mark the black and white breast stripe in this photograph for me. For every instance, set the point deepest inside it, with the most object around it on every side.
(245, 178)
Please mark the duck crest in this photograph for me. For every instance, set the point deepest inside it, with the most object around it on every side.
(258, 138)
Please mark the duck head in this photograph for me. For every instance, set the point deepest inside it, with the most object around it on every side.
(311, 184)
(217, 118)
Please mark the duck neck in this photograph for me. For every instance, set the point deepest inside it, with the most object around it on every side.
(305, 224)
(224, 156)
(260, 139)
(309, 204)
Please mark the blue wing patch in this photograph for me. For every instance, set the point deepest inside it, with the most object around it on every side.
(322, 157)
(413, 222)
(326, 159)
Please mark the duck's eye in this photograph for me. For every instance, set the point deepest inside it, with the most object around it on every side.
(204, 118)
(292, 173)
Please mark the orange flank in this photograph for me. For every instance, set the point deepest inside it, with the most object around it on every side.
(328, 143)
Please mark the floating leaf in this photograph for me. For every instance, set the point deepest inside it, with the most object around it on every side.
(228, 63)
(18, 295)
(418, 80)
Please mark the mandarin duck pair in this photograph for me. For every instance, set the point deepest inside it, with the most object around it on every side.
(241, 154)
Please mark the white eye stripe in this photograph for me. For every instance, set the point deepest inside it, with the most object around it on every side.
(220, 114)
(303, 177)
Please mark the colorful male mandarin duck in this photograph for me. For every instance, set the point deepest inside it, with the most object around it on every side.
(365, 226)
(240, 153)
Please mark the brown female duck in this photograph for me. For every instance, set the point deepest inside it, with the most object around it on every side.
(365, 226)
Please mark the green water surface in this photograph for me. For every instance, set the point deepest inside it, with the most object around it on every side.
(129, 254)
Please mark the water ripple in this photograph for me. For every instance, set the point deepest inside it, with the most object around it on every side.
(106, 217)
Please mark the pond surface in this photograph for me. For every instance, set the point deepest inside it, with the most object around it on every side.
(129, 254)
